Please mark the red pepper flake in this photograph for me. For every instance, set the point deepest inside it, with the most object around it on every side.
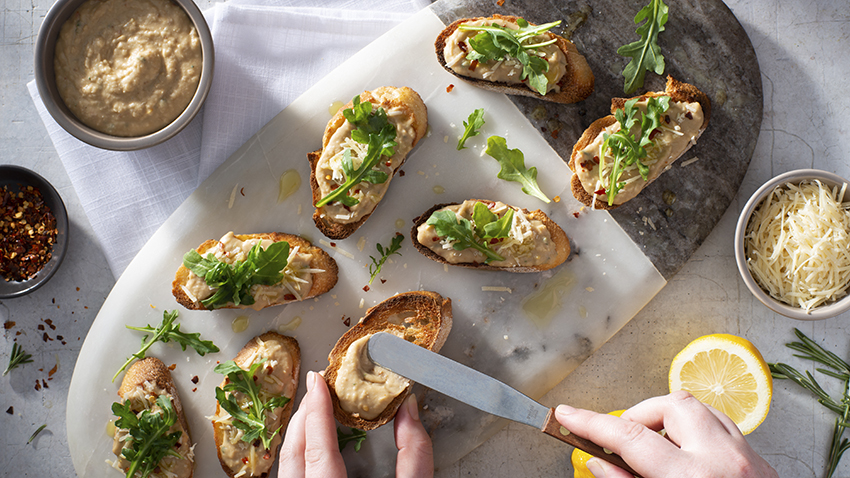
(667, 119)
(59, 337)
(27, 233)
(40, 327)
(8, 324)
(653, 133)
(195, 389)
(49, 323)
(389, 163)
(473, 65)
(596, 159)
(53, 370)
(78, 289)
(289, 297)
(689, 115)
(494, 240)
(242, 191)
(462, 46)
(451, 87)
(366, 288)
(383, 281)
(267, 455)
(600, 191)
(10, 410)
(575, 214)
(45, 337)
(401, 173)
(195, 379)
(44, 384)
(37, 385)
(436, 239)
(172, 367)
(500, 2)
(333, 244)
(245, 460)
(346, 321)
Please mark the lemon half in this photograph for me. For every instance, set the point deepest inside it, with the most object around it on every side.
(579, 458)
(728, 373)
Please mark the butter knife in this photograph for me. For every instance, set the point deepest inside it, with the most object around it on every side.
(477, 389)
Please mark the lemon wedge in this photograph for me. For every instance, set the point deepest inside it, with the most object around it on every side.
(728, 373)
(579, 458)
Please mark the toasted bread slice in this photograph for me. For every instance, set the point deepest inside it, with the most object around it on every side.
(310, 256)
(421, 317)
(575, 85)
(680, 93)
(548, 252)
(278, 376)
(407, 112)
(144, 381)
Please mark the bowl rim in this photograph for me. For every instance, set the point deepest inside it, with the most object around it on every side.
(46, 85)
(12, 174)
(795, 176)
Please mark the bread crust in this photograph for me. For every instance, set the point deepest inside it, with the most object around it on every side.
(430, 333)
(576, 84)
(322, 281)
(406, 99)
(151, 369)
(291, 346)
(560, 241)
(677, 91)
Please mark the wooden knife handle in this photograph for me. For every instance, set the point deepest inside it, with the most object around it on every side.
(555, 429)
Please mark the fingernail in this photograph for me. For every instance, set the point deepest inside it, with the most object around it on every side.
(565, 410)
(311, 380)
(595, 467)
(412, 406)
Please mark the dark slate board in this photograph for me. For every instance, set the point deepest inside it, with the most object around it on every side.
(703, 44)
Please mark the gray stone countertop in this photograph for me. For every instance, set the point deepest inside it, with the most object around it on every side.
(802, 50)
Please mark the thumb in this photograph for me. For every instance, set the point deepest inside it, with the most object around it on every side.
(415, 454)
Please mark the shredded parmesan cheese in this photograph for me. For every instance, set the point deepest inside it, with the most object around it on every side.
(493, 288)
(798, 244)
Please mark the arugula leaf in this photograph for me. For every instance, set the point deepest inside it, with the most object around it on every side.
(233, 282)
(36, 432)
(471, 126)
(489, 225)
(645, 53)
(496, 43)
(513, 167)
(373, 129)
(167, 331)
(149, 439)
(252, 419)
(395, 245)
(356, 436)
(459, 230)
(626, 148)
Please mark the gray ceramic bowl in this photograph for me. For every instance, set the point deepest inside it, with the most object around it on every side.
(45, 80)
(794, 177)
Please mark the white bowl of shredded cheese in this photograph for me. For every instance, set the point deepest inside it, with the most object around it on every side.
(792, 244)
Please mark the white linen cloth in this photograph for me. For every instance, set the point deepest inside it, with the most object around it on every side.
(267, 53)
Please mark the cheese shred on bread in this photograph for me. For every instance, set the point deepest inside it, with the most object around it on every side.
(310, 272)
(407, 113)
(584, 160)
(143, 383)
(364, 395)
(535, 242)
(575, 84)
(278, 376)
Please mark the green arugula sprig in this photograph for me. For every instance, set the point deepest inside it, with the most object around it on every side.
(513, 167)
(355, 436)
(373, 129)
(626, 148)
(385, 253)
(645, 53)
(17, 357)
(165, 332)
(464, 235)
(232, 282)
(471, 126)
(36, 432)
(251, 420)
(497, 43)
(839, 369)
(149, 440)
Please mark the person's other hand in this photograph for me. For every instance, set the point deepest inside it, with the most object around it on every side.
(310, 447)
(700, 441)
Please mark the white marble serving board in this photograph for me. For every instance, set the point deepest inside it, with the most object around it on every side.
(607, 280)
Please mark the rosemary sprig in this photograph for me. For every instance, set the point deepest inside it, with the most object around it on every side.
(839, 369)
(17, 357)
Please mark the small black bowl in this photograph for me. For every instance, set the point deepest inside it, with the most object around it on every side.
(13, 177)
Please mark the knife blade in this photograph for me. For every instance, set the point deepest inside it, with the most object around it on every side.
(476, 389)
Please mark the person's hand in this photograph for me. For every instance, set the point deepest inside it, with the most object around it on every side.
(310, 447)
(700, 441)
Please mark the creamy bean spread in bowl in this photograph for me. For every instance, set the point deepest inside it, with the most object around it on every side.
(121, 74)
